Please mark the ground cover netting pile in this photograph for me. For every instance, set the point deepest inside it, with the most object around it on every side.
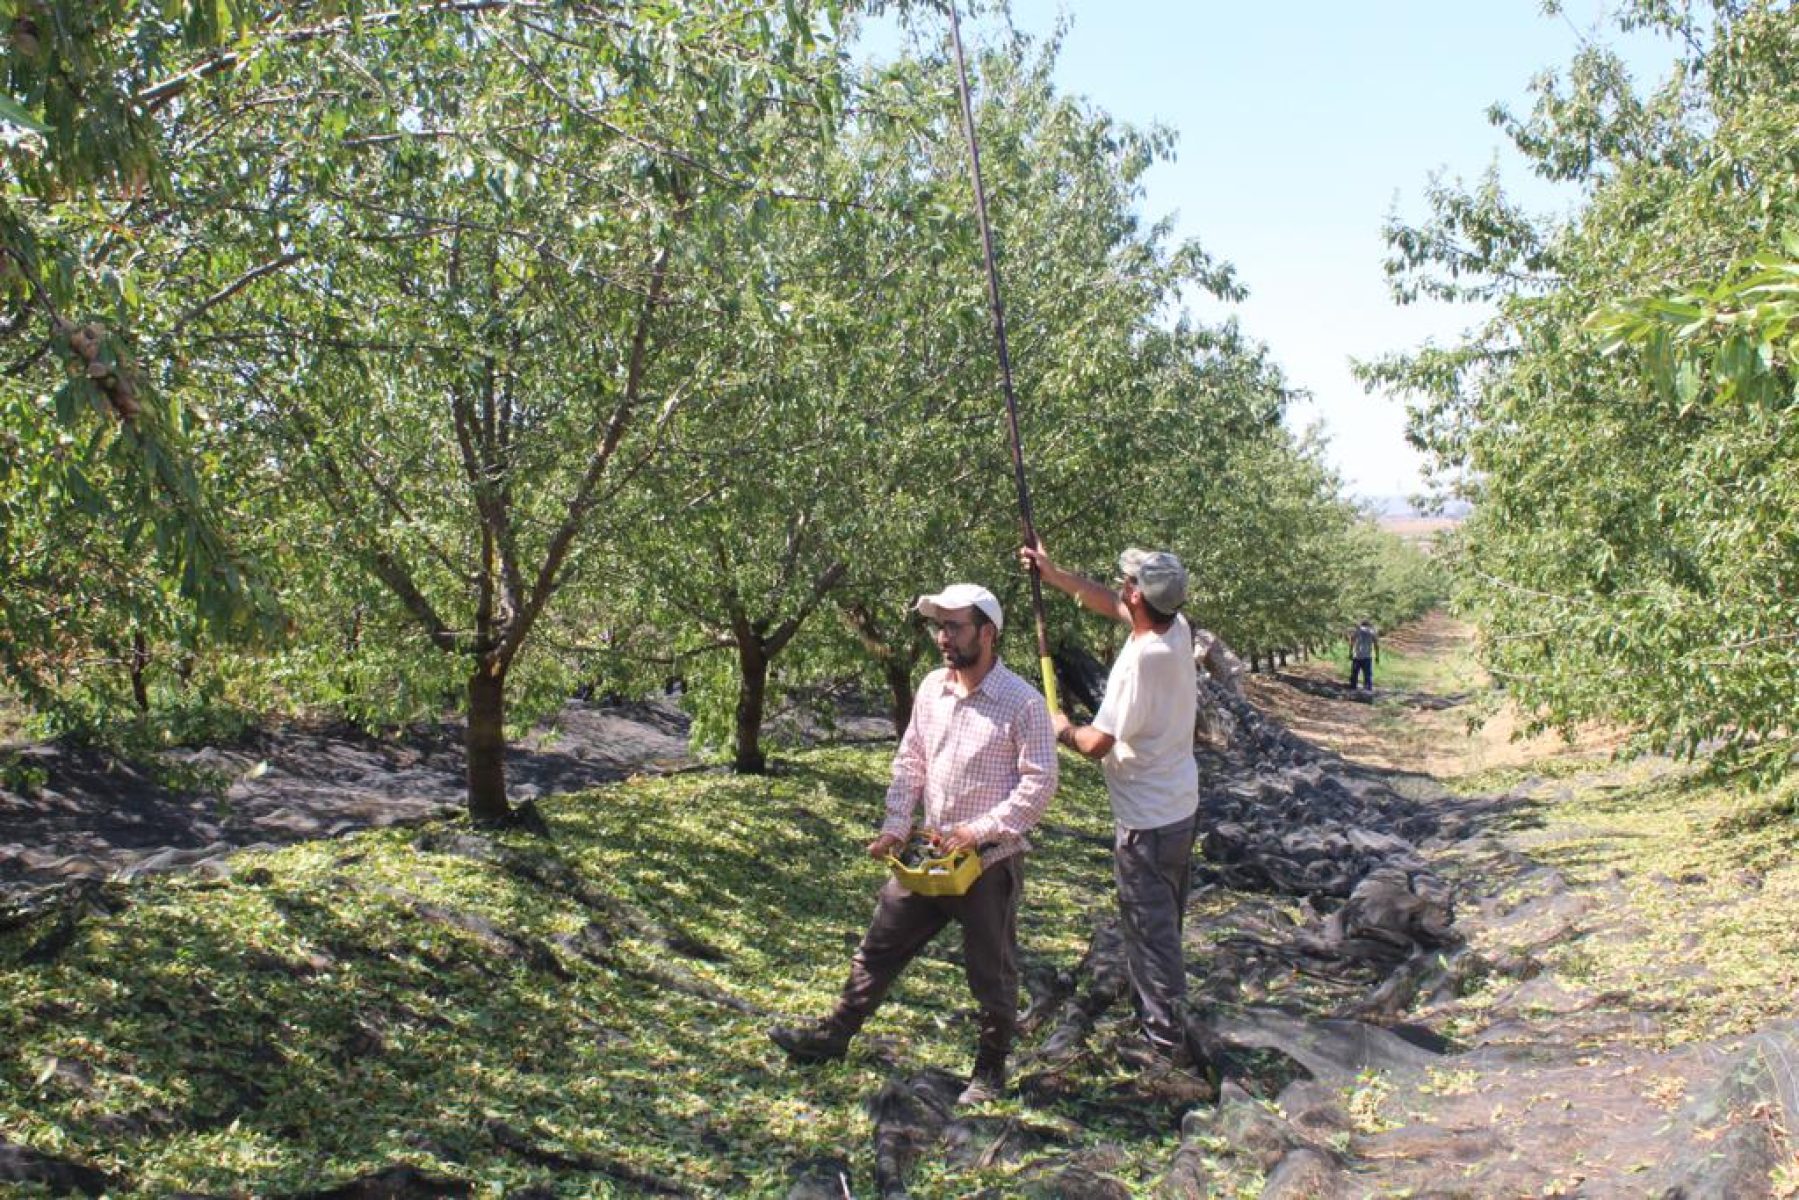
(90, 814)
(1401, 990)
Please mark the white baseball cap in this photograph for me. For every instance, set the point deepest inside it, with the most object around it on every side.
(962, 595)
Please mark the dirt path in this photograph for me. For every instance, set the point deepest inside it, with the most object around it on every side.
(1395, 735)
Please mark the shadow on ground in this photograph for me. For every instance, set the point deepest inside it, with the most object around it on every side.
(96, 816)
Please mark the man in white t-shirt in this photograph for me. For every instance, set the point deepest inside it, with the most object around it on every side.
(1143, 738)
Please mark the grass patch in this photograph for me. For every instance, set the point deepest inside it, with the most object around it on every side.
(1437, 674)
(317, 1017)
(1504, 779)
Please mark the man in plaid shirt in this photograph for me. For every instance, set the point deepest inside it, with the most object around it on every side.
(980, 755)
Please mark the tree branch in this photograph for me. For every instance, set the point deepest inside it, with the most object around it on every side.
(821, 586)
(386, 566)
(156, 96)
(233, 288)
(549, 574)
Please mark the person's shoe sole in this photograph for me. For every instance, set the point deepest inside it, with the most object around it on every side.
(977, 1093)
(1178, 1084)
(800, 1051)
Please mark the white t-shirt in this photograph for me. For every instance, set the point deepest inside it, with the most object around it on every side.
(1149, 707)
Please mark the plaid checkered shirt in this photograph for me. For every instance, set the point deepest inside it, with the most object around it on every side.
(987, 759)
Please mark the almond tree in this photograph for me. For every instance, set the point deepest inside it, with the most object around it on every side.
(424, 270)
(858, 451)
(108, 541)
(1624, 419)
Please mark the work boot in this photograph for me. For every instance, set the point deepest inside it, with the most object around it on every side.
(988, 1083)
(821, 1041)
(1206, 1052)
(1144, 1053)
(1169, 1072)
(1179, 1082)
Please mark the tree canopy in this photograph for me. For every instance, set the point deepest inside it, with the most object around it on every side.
(1625, 419)
(452, 355)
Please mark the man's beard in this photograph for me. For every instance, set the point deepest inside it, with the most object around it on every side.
(960, 659)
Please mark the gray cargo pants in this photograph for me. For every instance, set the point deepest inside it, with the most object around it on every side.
(1152, 868)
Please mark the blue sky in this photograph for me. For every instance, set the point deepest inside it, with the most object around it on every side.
(1301, 126)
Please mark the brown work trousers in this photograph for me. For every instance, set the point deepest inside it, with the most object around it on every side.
(905, 922)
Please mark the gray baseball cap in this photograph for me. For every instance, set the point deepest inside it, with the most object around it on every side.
(1159, 575)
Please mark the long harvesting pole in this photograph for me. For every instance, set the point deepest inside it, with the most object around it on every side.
(1027, 526)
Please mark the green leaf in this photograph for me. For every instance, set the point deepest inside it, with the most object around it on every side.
(83, 494)
(1687, 382)
(14, 113)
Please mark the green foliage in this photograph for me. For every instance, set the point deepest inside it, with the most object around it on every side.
(1626, 419)
(1268, 541)
(502, 348)
(97, 442)
(20, 777)
(89, 77)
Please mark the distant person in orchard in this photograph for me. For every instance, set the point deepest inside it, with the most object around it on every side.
(979, 755)
(1142, 736)
(1364, 652)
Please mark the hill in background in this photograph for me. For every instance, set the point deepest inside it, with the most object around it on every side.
(1395, 507)
(1399, 515)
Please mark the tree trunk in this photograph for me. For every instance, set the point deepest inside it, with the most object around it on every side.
(140, 663)
(487, 802)
(752, 697)
(896, 668)
(899, 689)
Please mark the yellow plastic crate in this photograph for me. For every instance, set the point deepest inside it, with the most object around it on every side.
(951, 875)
